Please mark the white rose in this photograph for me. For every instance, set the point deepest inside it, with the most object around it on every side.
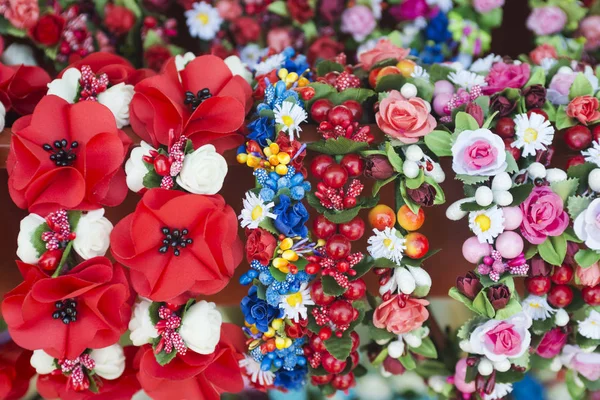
(135, 167)
(2, 116)
(17, 54)
(201, 327)
(42, 362)
(66, 87)
(117, 99)
(586, 227)
(92, 235)
(141, 328)
(515, 327)
(488, 142)
(237, 67)
(25, 250)
(203, 171)
(110, 361)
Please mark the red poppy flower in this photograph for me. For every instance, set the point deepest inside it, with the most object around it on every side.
(22, 87)
(55, 386)
(97, 290)
(115, 67)
(206, 246)
(15, 371)
(196, 376)
(48, 171)
(159, 104)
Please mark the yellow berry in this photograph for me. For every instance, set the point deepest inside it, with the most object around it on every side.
(284, 158)
(253, 161)
(274, 160)
(254, 344)
(290, 255)
(267, 151)
(321, 243)
(281, 169)
(302, 82)
(277, 323)
(282, 73)
(406, 67)
(280, 343)
(270, 333)
(241, 158)
(286, 244)
(288, 342)
(281, 264)
(274, 148)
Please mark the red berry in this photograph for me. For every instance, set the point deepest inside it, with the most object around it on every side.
(355, 340)
(341, 312)
(318, 295)
(353, 229)
(515, 152)
(356, 290)
(537, 111)
(162, 166)
(596, 133)
(349, 202)
(575, 160)
(343, 382)
(318, 380)
(319, 164)
(578, 137)
(325, 333)
(323, 227)
(505, 128)
(538, 285)
(332, 364)
(353, 163)
(562, 275)
(50, 259)
(319, 109)
(338, 247)
(591, 295)
(340, 115)
(355, 358)
(335, 176)
(331, 77)
(317, 344)
(312, 268)
(355, 107)
(560, 296)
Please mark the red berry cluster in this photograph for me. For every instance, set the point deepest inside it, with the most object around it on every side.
(318, 356)
(341, 120)
(334, 192)
(340, 80)
(555, 285)
(578, 138)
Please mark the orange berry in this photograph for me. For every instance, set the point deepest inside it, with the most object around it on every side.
(409, 220)
(382, 216)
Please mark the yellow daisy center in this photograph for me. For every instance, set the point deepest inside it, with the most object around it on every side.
(388, 243)
(257, 212)
(484, 222)
(530, 135)
(534, 305)
(294, 299)
(203, 18)
(287, 120)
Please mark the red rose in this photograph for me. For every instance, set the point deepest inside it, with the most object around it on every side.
(584, 109)
(15, 371)
(93, 177)
(324, 48)
(196, 376)
(156, 57)
(245, 30)
(206, 261)
(118, 69)
(300, 10)
(119, 20)
(260, 245)
(22, 87)
(158, 104)
(48, 29)
(100, 291)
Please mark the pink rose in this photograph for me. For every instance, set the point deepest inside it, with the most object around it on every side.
(499, 340)
(484, 6)
(278, 39)
(590, 29)
(479, 153)
(358, 21)
(552, 343)
(589, 276)
(229, 9)
(504, 76)
(405, 120)
(546, 20)
(587, 364)
(398, 316)
(584, 109)
(384, 50)
(543, 215)
(542, 52)
(22, 14)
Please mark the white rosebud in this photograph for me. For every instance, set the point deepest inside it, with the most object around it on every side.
(555, 175)
(536, 170)
(396, 349)
(465, 346)
(201, 327)
(405, 280)
(117, 99)
(485, 367)
(437, 173)
(561, 318)
(92, 235)
(594, 180)
(408, 91)
(410, 169)
(414, 153)
(421, 276)
(502, 181)
(135, 167)
(2, 116)
(182, 60)
(237, 67)
(503, 198)
(141, 328)
(413, 340)
(502, 366)
(25, 250)
(42, 362)
(66, 87)
(110, 361)
(484, 196)
(203, 171)
(454, 213)
(437, 383)
(18, 54)
(382, 342)
(555, 365)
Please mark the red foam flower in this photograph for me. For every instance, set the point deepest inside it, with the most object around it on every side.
(94, 177)
(206, 252)
(196, 376)
(103, 308)
(15, 371)
(159, 104)
(22, 87)
(117, 68)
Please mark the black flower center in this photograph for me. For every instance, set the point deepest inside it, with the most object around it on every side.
(195, 100)
(66, 311)
(175, 239)
(61, 153)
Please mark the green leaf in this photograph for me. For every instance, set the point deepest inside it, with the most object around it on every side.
(580, 87)
(277, 274)
(465, 122)
(520, 193)
(390, 82)
(279, 7)
(268, 225)
(360, 95)
(456, 295)
(512, 166)
(553, 250)
(393, 157)
(472, 206)
(151, 180)
(438, 72)
(575, 391)
(36, 239)
(152, 38)
(482, 305)
(339, 347)
(415, 183)
(408, 361)
(362, 268)
(327, 66)
(411, 262)
(565, 188)
(379, 334)
(538, 77)
(426, 349)
(471, 179)
(531, 251)
(581, 172)
(586, 257)
(512, 307)
(310, 30)
(339, 146)
(465, 330)
(379, 184)
(429, 368)
(380, 357)
(331, 287)
(563, 121)
(440, 143)
(424, 88)
(164, 358)
(134, 7)
(576, 205)
(153, 312)
(440, 197)
(488, 121)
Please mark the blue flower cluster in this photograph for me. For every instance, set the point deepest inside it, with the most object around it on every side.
(272, 183)
(262, 130)
(295, 63)
(258, 312)
(275, 94)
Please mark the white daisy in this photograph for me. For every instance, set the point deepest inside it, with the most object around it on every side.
(251, 54)
(500, 391)
(533, 133)
(590, 327)
(290, 116)
(387, 244)
(420, 72)
(487, 224)
(255, 373)
(203, 21)
(255, 211)
(593, 153)
(294, 305)
(485, 64)
(274, 62)
(467, 79)
(537, 307)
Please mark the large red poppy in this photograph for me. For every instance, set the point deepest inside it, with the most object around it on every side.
(15, 371)
(196, 376)
(203, 266)
(95, 176)
(117, 68)
(158, 104)
(103, 308)
(22, 87)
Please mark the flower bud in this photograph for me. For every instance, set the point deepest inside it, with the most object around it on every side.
(378, 167)
(396, 349)
(485, 367)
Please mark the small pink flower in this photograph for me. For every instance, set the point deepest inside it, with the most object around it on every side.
(590, 29)
(405, 120)
(585, 363)
(229, 9)
(22, 14)
(499, 340)
(543, 215)
(479, 153)
(589, 276)
(584, 109)
(401, 316)
(358, 21)
(542, 52)
(504, 76)
(546, 20)
(484, 6)
(552, 343)
(562, 82)
(382, 51)
(279, 38)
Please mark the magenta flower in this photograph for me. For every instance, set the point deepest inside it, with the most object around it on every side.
(543, 215)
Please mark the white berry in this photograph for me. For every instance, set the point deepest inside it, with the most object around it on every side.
(503, 198)
(414, 153)
(408, 91)
(555, 175)
(465, 346)
(561, 318)
(555, 365)
(410, 169)
(594, 180)
(413, 340)
(536, 171)
(484, 196)
(485, 367)
(395, 349)
(502, 181)
(564, 70)
(502, 366)
(454, 213)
